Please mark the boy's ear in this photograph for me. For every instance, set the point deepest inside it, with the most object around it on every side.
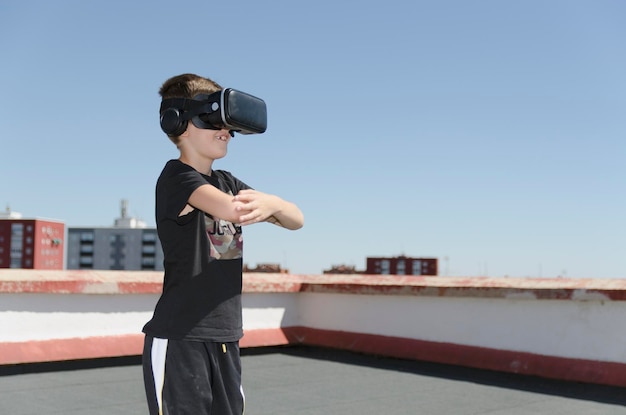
(185, 133)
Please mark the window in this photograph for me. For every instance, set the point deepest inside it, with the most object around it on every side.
(17, 229)
(400, 270)
(148, 249)
(147, 262)
(149, 237)
(86, 237)
(86, 249)
(86, 260)
(417, 267)
(116, 263)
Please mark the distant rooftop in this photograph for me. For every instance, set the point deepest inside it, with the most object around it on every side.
(9, 214)
(125, 221)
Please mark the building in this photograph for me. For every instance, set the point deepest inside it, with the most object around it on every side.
(128, 245)
(401, 265)
(342, 269)
(267, 268)
(30, 243)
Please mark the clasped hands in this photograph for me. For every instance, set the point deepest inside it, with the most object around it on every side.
(255, 206)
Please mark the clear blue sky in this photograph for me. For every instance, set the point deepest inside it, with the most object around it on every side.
(488, 134)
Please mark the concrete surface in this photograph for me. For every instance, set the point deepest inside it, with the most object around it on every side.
(310, 381)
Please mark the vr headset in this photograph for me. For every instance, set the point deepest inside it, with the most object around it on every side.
(225, 109)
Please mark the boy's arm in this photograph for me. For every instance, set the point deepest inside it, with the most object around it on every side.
(262, 207)
(213, 201)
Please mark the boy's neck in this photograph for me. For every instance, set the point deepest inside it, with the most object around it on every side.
(203, 166)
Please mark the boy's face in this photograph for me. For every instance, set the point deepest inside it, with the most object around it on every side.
(207, 144)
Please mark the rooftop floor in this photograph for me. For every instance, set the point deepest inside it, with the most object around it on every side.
(310, 381)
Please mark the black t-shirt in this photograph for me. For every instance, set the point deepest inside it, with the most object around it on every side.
(201, 298)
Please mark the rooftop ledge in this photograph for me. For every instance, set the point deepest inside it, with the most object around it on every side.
(150, 282)
(478, 322)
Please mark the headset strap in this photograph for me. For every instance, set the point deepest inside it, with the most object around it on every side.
(189, 107)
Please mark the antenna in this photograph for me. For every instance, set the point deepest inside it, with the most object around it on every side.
(124, 208)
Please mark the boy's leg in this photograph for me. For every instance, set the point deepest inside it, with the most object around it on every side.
(192, 378)
(153, 361)
(228, 397)
(151, 377)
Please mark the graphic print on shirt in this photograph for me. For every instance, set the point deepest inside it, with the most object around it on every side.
(225, 237)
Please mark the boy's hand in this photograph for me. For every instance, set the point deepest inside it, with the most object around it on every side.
(258, 205)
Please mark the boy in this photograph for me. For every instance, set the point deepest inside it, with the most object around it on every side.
(191, 359)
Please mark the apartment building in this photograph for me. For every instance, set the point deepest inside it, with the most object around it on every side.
(128, 245)
(401, 265)
(31, 243)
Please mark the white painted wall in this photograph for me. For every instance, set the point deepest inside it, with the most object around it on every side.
(26, 317)
(574, 329)
(588, 329)
(270, 310)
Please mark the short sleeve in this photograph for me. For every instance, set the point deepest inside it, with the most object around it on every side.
(174, 187)
(228, 182)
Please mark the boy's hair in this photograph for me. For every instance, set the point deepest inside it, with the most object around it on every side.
(187, 86)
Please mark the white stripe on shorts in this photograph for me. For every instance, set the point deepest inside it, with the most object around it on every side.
(158, 353)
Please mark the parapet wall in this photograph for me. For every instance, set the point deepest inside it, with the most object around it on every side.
(569, 329)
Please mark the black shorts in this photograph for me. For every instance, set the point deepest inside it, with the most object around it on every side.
(192, 378)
